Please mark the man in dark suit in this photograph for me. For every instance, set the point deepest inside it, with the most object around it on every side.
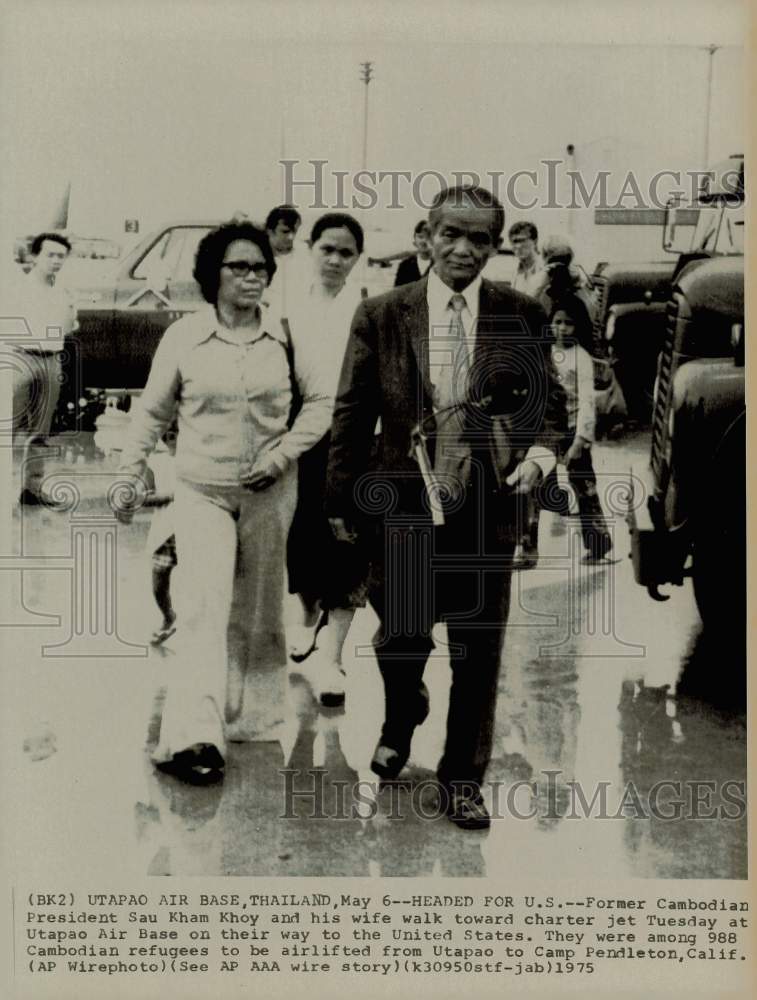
(469, 360)
(415, 267)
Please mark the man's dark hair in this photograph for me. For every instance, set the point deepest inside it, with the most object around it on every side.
(478, 196)
(212, 248)
(523, 227)
(287, 214)
(338, 220)
(421, 227)
(37, 242)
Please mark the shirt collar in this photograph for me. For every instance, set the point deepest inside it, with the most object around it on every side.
(533, 266)
(209, 326)
(438, 294)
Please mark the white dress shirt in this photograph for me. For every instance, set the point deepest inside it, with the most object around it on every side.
(322, 323)
(440, 316)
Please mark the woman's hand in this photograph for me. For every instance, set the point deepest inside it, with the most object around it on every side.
(263, 475)
(576, 450)
(128, 497)
(259, 482)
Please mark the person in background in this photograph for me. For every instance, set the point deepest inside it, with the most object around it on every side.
(48, 311)
(329, 576)
(572, 329)
(529, 274)
(226, 373)
(282, 225)
(414, 267)
(161, 539)
(561, 276)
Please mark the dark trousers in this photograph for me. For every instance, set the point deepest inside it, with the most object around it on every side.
(458, 573)
(584, 481)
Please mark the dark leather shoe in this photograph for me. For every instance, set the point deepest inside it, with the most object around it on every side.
(198, 765)
(387, 762)
(525, 556)
(598, 546)
(30, 499)
(467, 810)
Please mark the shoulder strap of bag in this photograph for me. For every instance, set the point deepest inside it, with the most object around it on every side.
(296, 404)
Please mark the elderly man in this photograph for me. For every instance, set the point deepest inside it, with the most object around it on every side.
(49, 313)
(463, 362)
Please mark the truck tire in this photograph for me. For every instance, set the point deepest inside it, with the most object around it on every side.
(719, 540)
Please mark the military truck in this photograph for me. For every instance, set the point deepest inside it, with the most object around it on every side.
(631, 315)
(694, 524)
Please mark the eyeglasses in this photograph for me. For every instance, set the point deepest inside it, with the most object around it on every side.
(241, 268)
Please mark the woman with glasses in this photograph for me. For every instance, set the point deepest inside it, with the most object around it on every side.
(229, 376)
(328, 576)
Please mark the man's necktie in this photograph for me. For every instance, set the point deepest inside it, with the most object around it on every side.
(452, 455)
(451, 362)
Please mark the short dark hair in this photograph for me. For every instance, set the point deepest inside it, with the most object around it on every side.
(578, 311)
(420, 227)
(480, 197)
(287, 214)
(523, 227)
(211, 250)
(338, 220)
(37, 242)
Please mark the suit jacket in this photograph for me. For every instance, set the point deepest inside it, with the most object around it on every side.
(386, 375)
(408, 271)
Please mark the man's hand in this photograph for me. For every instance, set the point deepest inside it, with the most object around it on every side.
(525, 477)
(343, 532)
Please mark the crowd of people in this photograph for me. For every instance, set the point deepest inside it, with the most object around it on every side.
(391, 450)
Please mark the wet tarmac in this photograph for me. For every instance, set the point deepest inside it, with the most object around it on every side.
(620, 744)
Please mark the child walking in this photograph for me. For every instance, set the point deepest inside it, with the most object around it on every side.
(572, 331)
(161, 541)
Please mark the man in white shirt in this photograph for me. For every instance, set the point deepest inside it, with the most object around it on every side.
(46, 313)
(529, 276)
(292, 266)
(464, 360)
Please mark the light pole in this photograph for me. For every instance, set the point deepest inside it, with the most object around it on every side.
(711, 50)
(570, 155)
(366, 75)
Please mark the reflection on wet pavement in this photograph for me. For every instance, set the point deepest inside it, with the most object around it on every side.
(617, 719)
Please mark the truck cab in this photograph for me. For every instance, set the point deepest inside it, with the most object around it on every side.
(631, 318)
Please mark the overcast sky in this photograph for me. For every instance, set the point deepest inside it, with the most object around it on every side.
(176, 110)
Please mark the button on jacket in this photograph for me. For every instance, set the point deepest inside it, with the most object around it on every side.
(232, 392)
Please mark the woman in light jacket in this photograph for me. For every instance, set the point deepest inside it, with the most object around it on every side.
(227, 373)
